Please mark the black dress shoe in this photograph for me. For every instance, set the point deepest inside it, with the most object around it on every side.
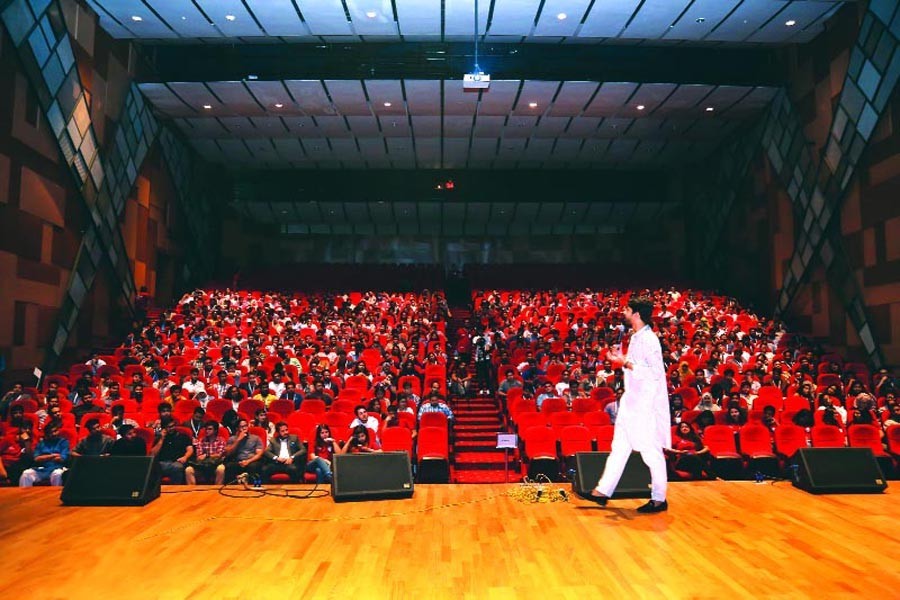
(601, 500)
(653, 507)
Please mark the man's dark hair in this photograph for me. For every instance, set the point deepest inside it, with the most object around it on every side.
(91, 422)
(643, 307)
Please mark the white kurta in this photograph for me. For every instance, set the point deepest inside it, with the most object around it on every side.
(644, 407)
(642, 423)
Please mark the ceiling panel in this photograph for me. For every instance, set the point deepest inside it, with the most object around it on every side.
(230, 17)
(372, 17)
(699, 19)
(560, 17)
(419, 17)
(310, 96)
(572, 98)
(184, 18)
(459, 17)
(278, 17)
(513, 17)
(746, 19)
(324, 17)
(500, 100)
(348, 96)
(535, 97)
(654, 18)
(801, 13)
(458, 126)
(196, 96)
(457, 101)
(607, 18)
(610, 99)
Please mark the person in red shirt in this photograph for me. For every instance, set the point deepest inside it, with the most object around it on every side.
(321, 454)
(16, 454)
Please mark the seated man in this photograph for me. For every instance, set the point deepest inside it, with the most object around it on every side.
(96, 443)
(209, 452)
(16, 454)
(364, 418)
(436, 404)
(242, 452)
(128, 444)
(50, 458)
(285, 454)
(173, 449)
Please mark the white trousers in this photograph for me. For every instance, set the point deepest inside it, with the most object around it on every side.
(615, 465)
(30, 476)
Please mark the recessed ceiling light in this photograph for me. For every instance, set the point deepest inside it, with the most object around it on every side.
(532, 105)
(136, 18)
(562, 16)
(279, 105)
(371, 14)
(700, 20)
(207, 106)
(230, 17)
(387, 104)
(790, 23)
(640, 107)
(184, 18)
(710, 109)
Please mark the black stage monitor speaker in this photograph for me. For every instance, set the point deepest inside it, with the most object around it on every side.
(837, 471)
(635, 481)
(377, 476)
(111, 481)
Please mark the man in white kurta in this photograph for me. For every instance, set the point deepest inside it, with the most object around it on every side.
(642, 423)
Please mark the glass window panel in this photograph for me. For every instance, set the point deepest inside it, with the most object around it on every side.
(53, 75)
(889, 81)
(39, 6)
(833, 154)
(856, 150)
(97, 173)
(852, 100)
(74, 133)
(871, 41)
(81, 167)
(39, 47)
(77, 290)
(883, 9)
(81, 116)
(69, 93)
(882, 55)
(867, 122)
(65, 144)
(18, 20)
(64, 51)
(47, 30)
(59, 341)
(55, 118)
(869, 78)
(85, 268)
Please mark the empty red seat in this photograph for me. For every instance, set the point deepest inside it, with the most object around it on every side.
(828, 436)
(866, 436)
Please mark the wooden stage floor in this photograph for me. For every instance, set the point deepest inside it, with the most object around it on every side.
(719, 539)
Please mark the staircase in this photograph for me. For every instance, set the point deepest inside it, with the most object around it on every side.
(478, 420)
(477, 460)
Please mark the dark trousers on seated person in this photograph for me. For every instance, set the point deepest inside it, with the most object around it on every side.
(233, 469)
(292, 470)
(173, 470)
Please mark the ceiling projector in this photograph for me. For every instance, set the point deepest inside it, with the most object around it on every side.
(476, 81)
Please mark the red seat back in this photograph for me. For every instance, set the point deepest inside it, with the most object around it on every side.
(756, 440)
(866, 436)
(575, 438)
(828, 436)
(789, 438)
